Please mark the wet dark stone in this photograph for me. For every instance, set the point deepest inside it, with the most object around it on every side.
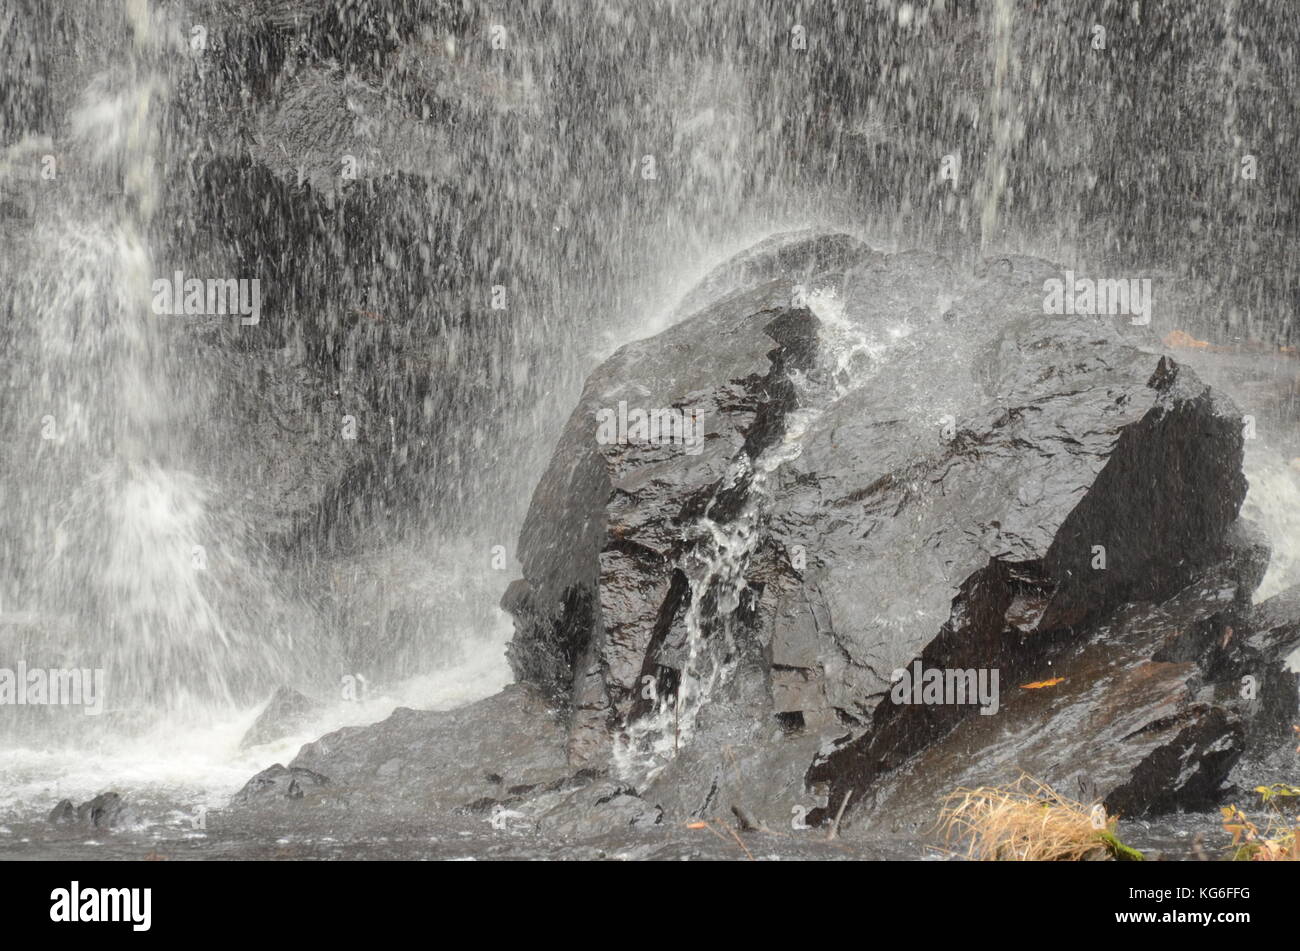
(999, 489)
(279, 781)
(422, 762)
(106, 811)
(1275, 623)
(287, 711)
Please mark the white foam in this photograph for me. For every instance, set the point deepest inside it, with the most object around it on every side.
(1273, 503)
(204, 766)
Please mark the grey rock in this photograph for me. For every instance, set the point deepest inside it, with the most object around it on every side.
(430, 762)
(280, 782)
(106, 811)
(600, 809)
(924, 466)
(1149, 716)
(287, 711)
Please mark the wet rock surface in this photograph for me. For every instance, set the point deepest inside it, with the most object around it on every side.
(106, 811)
(427, 762)
(900, 464)
(1153, 710)
(280, 782)
(286, 711)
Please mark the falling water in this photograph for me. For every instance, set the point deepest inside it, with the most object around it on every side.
(1001, 116)
(134, 572)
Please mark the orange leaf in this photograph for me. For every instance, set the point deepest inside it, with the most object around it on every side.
(1037, 684)
(1177, 338)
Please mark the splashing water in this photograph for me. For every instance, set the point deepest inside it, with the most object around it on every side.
(1273, 503)
(715, 569)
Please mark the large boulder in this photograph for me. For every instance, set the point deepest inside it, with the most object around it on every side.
(895, 463)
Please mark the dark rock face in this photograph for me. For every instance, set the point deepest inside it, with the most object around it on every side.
(898, 464)
(106, 811)
(1275, 623)
(1155, 707)
(601, 603)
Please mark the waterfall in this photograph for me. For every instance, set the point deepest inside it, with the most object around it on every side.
(125, 565)
(1001, 117)
(455, 212)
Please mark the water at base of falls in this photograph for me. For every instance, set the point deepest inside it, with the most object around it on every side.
(1273, 503)
(203, 764)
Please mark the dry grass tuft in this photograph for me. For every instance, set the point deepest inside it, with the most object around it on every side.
(1274, 843)
(1029, 821)
(1278, 841)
